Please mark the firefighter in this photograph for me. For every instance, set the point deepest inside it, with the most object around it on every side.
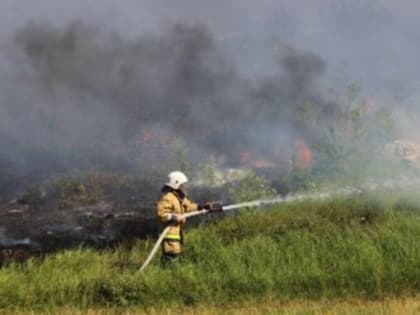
(170, 209)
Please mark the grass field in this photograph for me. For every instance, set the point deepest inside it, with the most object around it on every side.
(406, 306)
(363, 253)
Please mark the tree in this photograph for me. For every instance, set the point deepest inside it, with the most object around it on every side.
(351, 148)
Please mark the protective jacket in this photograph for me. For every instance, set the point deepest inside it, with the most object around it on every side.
(173, 202)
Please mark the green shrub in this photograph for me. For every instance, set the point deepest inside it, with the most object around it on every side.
(251, 187)
(74, 192)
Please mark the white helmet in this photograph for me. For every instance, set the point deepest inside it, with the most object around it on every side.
(176, 179)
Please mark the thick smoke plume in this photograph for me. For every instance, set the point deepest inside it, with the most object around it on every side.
(78, 97)
(92, 88)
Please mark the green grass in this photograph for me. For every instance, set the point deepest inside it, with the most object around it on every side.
(364, 247)
(388, 306)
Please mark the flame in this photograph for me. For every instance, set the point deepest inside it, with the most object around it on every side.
(304, 156)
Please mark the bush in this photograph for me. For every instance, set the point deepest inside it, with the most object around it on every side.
(251, 187)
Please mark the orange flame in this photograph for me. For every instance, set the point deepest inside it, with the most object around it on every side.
(304, 157)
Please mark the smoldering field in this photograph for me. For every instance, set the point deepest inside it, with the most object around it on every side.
(92, 119)
(112, 116)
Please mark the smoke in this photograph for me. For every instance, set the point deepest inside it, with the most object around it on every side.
(125, 84)
(82, 88)
(79, 95)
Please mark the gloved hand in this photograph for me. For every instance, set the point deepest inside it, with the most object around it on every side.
(211, 206)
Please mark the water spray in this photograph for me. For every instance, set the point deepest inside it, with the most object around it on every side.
(249, 204)
(256, 203)
(347, 191)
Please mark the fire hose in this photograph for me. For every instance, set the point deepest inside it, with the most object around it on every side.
(256, 203)
(263, 202)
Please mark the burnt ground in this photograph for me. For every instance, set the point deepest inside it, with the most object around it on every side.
(96, 210)
(25, 231)
(99, 210)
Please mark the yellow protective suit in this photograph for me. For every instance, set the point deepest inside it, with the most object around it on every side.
(173, 202)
